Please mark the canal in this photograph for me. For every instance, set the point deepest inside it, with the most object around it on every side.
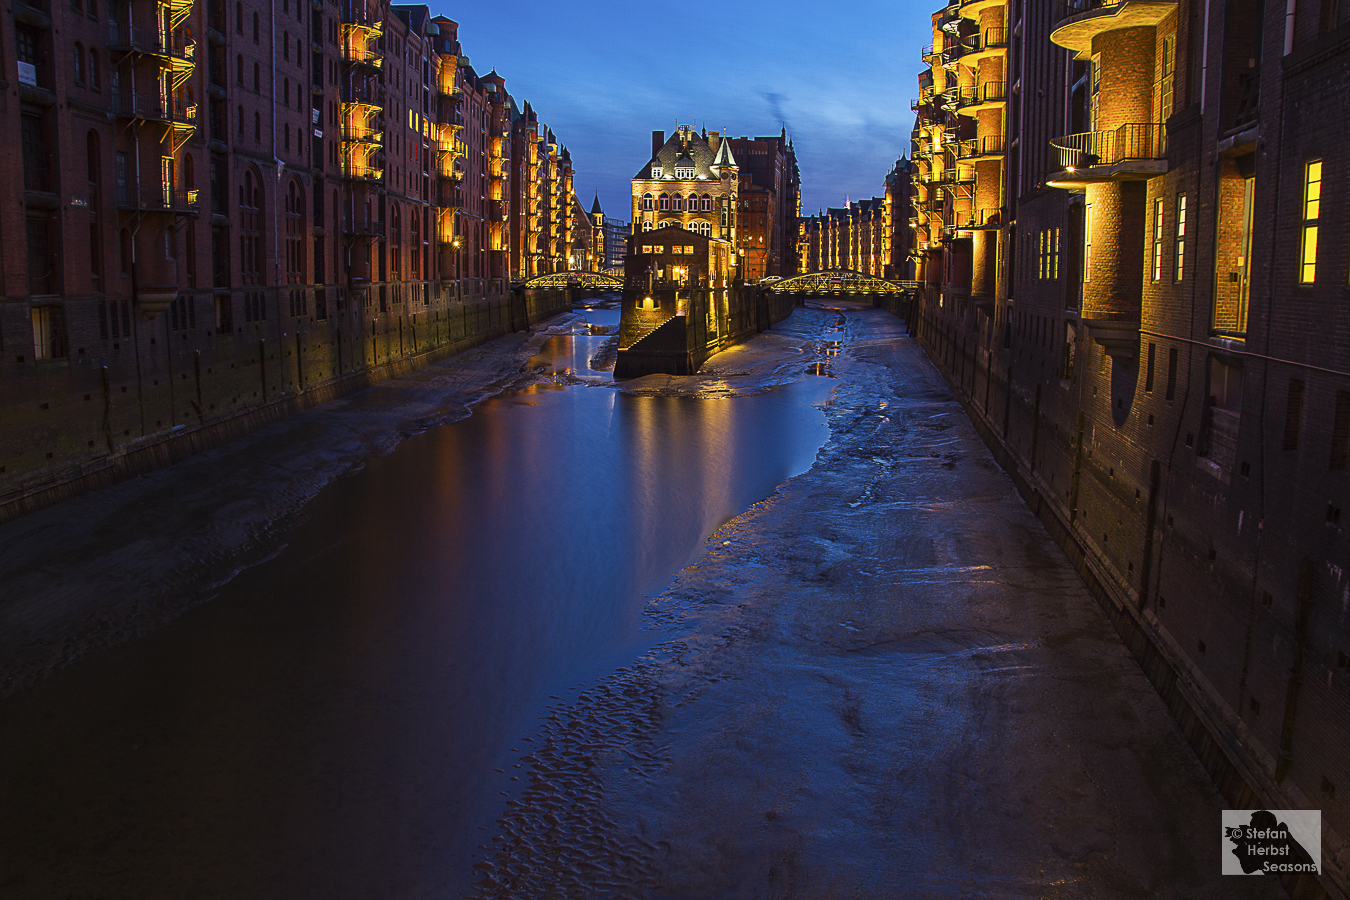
(340, 721)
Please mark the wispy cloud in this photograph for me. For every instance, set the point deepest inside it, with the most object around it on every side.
(605, 74)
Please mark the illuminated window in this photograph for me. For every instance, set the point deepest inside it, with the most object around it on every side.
(647, 201)
(646, 226)
(1054, 257)
(656, 171)
(1312, 203)
(1181, 239)
(1157, 238)
(1167, 79)
(1087, 242)
(663, 202)
(646, 248)
(684, 172)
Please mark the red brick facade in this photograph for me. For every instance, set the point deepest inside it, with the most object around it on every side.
(1164, 368)
(225, 206)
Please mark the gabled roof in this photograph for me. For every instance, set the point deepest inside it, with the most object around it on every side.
(686, 149)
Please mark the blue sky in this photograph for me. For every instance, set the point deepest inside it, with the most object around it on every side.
(604, 75)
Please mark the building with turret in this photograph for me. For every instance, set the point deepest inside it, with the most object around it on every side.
(692, 181)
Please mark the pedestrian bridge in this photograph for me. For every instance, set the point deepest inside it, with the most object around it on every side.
(835, 282)
(594, 281)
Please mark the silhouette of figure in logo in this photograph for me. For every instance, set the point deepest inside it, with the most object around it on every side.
(1265, 840)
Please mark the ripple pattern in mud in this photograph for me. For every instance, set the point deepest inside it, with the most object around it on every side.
(555, 841)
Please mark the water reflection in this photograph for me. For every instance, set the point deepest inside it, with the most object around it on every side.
(330, 724)
(571, 354)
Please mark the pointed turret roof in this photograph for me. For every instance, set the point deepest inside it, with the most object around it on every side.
(724, 156)
(595, 207)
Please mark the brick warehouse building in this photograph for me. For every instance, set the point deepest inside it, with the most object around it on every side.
(1141, 301)
(228, 211)
(869, 236)
(698, 181)
(770, 201)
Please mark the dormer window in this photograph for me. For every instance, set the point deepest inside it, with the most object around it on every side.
(656, 171)
(682, 172)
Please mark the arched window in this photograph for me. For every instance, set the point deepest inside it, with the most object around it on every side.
(647, 202)
(286, 93)
(239, 68)
(396, 242)
(646, 226)
(257, 77)
(707, 203)
(93, 164)
(94, 81)
(250, 230)
(663, 202)
(255, 28)
(677, 203)
(241, 121)
(295, 234)
(93, 167)
(79, 63)
(702, 228)
(415, 251)
(239, 17)
(257, 128)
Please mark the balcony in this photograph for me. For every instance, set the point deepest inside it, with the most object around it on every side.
(362, 228)
(1079, 21)
(927, 54)
(362, 56)
(990, 42)
(450, 195)
(364, 94)
(362, 135)
(1130, 152)
(982, 148)
(355, 14)
(153, 108)
(988, 94)
(147, 198)
(369, 170)
(123, 39)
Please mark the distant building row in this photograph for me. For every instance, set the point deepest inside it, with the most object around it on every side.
(869, 236)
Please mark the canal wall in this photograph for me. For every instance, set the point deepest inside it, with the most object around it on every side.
(654, 343)
(1218, 632)
(144, 394)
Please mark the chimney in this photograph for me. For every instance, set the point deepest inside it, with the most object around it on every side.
(658, 141)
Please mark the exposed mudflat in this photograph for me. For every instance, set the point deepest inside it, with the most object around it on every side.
(884, 681)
